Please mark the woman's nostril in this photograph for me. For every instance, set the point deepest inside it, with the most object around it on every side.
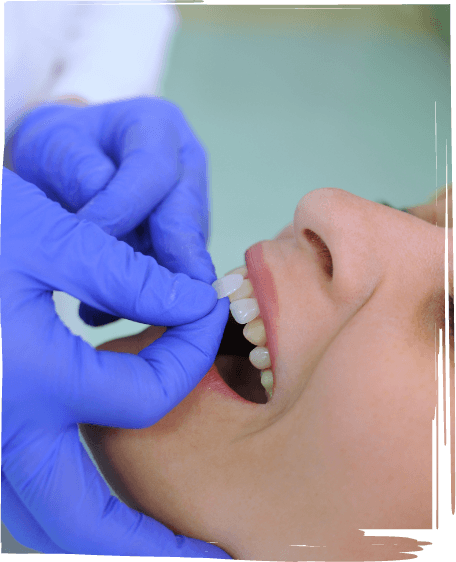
(322, 250)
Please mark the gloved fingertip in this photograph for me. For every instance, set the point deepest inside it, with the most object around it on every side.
(206, 273)
(196, 264)
(93, 317)
(205, 295)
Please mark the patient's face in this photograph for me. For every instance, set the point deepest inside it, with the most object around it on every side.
(347, 434)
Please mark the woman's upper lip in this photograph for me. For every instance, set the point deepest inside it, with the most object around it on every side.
(265, 292)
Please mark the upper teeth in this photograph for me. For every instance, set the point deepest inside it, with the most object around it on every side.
(228, 285)
(255, 332)
(259, 357)
(244, 291)
(245, 310)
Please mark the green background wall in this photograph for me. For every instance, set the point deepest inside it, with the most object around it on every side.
(290, 100)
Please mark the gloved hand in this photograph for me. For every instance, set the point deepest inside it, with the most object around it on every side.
(132, 167)
(53, 498)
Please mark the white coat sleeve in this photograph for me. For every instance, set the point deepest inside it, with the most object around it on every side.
(101, 52)
(120, 52)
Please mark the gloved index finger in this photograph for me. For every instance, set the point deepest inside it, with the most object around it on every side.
(62, 253)
(180, 224)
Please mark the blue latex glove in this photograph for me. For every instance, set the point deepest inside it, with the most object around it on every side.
(133, 167)
(53, 498)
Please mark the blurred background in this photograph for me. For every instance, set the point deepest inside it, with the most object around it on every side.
(288, 100)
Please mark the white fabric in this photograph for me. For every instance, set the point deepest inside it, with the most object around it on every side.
(101, 52)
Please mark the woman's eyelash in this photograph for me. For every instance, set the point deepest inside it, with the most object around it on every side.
(392, 206)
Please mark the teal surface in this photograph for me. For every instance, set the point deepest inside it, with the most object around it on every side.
(284, 111)
(288, 102)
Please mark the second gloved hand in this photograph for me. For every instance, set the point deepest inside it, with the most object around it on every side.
(53, 499)
(132, 167)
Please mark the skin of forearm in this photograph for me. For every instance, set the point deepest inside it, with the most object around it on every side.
(135, 343)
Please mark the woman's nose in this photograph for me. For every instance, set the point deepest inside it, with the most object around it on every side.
(343, 231)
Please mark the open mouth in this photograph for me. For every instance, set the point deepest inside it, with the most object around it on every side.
(234, 366)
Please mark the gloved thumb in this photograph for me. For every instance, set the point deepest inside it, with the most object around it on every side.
(139, 390)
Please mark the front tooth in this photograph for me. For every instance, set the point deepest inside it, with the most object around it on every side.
(267, 380)
(244, 310)
(259, 357)
(228, 284)
(244, 292)
(242, 270)
(254, 332)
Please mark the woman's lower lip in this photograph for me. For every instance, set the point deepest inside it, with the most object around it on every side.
(265, 292)
(214, 382)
